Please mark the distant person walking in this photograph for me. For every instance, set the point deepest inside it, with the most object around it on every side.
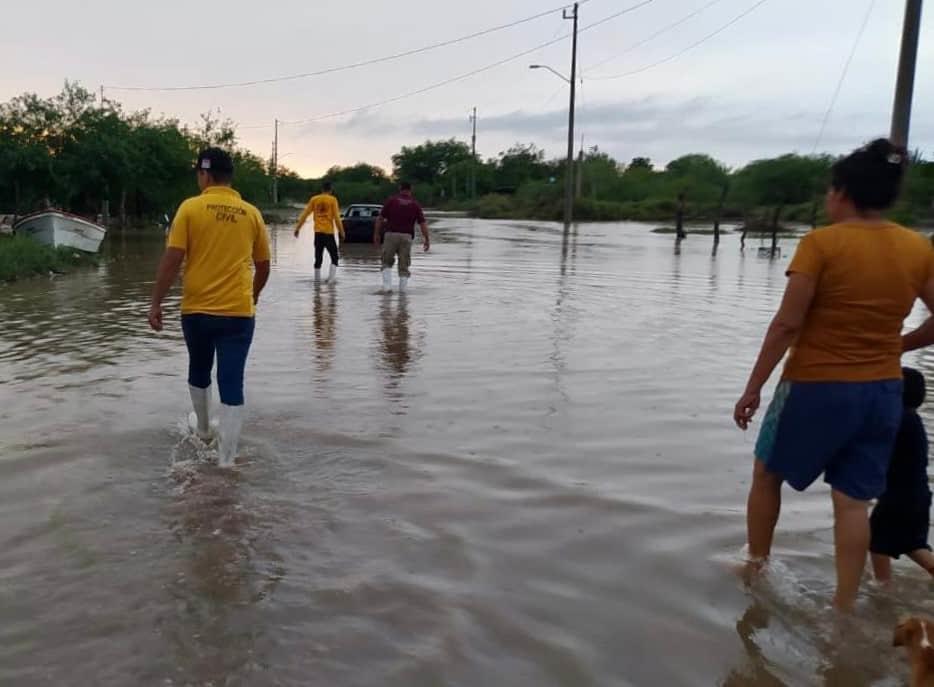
(838, 407)
(217, 235)
(327, 215)
(396, 227)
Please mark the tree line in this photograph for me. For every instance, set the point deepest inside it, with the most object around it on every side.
(78, 153)
(522, 182)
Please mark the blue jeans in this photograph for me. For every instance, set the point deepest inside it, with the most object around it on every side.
(230, 338)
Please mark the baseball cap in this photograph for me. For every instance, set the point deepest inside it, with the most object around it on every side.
(215, 160)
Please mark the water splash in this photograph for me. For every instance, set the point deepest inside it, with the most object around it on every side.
(190, 456)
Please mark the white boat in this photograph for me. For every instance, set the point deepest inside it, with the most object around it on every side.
(57, 228)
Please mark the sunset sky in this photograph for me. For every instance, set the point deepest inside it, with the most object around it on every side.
(759, 88)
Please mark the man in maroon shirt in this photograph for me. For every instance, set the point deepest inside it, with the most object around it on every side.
(399, 216)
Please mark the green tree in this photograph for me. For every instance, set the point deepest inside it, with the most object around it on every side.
(699, 177)
(520, 164)
(428, 162)
(29, 133)
(781, 181)
(917, 199)
(360, 173)
(601, 175)
(640, 163)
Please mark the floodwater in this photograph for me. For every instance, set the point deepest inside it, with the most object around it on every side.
(523, 473)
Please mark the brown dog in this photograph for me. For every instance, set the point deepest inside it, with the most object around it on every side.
(917, 635)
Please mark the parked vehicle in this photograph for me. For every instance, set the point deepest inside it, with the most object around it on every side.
(57, 228)
(359, 221)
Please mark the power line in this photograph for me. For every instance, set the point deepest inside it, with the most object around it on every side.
(846, 69)
(617, 15)
(467, 75)
(552, 97)
(655, 35)
(346, 67)
(687, 49)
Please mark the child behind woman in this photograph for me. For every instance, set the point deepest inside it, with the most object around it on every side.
(901, 517)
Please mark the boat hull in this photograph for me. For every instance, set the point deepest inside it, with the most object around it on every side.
(59, 229)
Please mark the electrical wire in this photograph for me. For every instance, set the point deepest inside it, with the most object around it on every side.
(686, 50)
(466, 75)
(655, 35)
(846, 69)
(347, 67)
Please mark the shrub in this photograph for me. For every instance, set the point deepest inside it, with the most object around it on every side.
(22, 257)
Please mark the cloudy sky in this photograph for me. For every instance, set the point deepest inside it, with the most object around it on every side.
(759, 88)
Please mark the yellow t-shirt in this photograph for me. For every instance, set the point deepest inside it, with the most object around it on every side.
(221, 235)
(327, 212)
(868, 278)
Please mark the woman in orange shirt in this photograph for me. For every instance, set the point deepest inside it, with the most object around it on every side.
(838, 406)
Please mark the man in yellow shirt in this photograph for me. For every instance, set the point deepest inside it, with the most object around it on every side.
(217, 235)
(327, 216)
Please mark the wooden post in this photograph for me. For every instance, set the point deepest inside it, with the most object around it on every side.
(679, 218)
(775, 218)
(123, 208)
(719, 215)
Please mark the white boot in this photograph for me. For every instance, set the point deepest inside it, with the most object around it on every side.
(199, 421)
(317, 276)
(332, 275)
(403, 284)
(229, 434)
(387, 280)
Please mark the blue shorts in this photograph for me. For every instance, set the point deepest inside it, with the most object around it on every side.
(845, 430)
(227, 337)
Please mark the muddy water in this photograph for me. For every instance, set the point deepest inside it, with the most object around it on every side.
(524, 473)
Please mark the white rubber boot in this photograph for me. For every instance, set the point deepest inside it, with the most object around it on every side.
(199, 421)
(403, 284)
(317, 276)
(231, 422)
(387, 280)
(332, 275)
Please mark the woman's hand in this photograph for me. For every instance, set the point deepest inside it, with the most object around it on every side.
(155, 317)
(782, 333)
(746, 409)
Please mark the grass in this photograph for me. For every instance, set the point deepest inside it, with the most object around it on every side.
(21, 257)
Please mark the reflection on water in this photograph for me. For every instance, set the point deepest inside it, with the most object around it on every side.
(325, 324)
(523, 472)
(395, 337)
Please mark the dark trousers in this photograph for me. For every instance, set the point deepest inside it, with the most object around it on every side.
(230, 338)
(325, 242)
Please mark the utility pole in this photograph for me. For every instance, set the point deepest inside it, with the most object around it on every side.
(578, 191)
(102, 96)
(569, 180)
(275, 165)
(904, 90)
(473, 150)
